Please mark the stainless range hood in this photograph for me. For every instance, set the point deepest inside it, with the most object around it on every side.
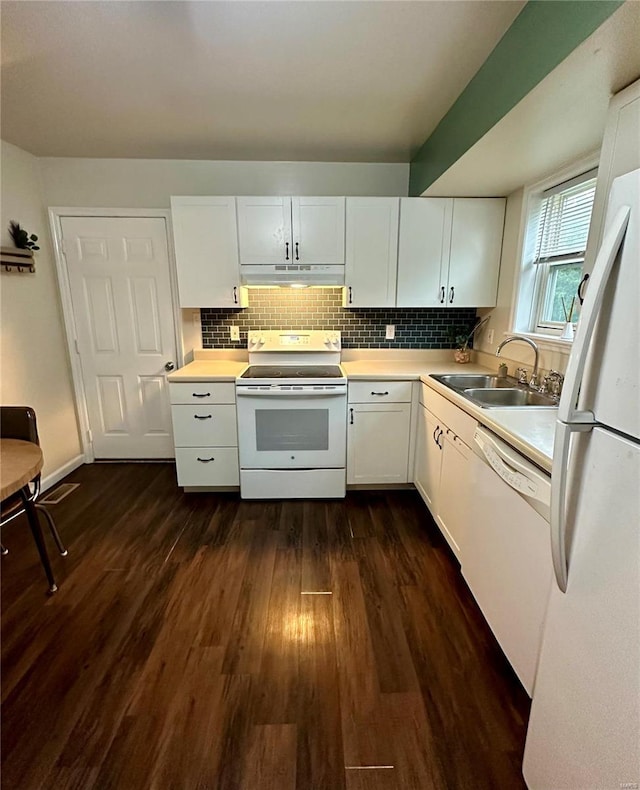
(294, 274)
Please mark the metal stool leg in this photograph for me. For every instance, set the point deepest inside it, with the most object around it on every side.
(54, 531)
(36, 531)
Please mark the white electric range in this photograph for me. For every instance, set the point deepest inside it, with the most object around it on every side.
(292, 416)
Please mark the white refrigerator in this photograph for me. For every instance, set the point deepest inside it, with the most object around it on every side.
(584, 728)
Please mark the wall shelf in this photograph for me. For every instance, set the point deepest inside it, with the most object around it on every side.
(12, 258)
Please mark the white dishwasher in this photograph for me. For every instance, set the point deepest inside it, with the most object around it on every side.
(507, 557)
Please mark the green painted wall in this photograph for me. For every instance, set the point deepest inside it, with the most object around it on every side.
(540, 38)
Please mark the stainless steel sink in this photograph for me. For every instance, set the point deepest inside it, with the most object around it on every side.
(463, 381)
(492, 392)
(497, 398)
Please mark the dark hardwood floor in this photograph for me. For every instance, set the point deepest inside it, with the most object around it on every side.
(183, 649)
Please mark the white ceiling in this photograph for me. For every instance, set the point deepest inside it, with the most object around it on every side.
(559, 121)
(297, 81)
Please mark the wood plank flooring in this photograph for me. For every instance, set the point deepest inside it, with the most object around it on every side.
(181, 650)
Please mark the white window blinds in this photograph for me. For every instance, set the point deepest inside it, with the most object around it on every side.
(565, 215)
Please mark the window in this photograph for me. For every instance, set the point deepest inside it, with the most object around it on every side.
(559, 224)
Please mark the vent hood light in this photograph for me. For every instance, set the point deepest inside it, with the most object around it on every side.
(298, 285)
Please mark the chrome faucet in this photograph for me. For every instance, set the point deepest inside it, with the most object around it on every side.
(534, 374)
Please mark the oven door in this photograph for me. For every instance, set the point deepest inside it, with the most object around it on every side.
(292, 430)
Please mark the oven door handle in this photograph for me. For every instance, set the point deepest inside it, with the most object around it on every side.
(287, 394)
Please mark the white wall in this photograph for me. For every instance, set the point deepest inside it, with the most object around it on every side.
(149, 183)
(34, 364)
(515, 354)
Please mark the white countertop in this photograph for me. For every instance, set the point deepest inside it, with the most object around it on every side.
(208, 370)
(530, 430)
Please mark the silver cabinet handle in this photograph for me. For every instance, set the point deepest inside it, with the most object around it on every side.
(206, 460)
(379, 393)
(201, 394)
(202, 416)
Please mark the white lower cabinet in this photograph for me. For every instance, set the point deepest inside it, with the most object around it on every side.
(428, 461)
(442, 467)
(379, 425)
(205, 434)
(452, 512)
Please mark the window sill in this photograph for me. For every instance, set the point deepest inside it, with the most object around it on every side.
(545, 341)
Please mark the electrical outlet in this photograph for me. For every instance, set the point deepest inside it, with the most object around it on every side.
(234, 333)
(195, 319)
(390, 334)
(490, 337)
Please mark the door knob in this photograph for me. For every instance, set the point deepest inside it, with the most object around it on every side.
(169, 366)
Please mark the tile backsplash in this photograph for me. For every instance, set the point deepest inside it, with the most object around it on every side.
(321, 308)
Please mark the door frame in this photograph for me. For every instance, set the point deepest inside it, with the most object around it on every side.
(56, 215)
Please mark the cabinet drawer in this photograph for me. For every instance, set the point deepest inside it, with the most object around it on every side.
(204, 426)
(202, 392)
(207, 466)
(379, 391)
(461, 423)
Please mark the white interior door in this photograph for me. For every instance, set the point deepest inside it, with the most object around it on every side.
(120, 289)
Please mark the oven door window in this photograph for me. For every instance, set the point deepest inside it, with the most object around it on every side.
(292, 429)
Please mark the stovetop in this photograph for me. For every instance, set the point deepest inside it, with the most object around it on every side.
(292, 372)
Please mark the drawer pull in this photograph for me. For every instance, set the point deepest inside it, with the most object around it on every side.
(379, 393)
(201, 394)
(202, 416)
(206, 460)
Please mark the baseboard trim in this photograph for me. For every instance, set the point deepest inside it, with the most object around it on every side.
(55, 477)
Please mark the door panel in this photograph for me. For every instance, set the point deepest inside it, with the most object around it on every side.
(120, 288)
(144, 314)
(423, 251)
(318, 229)
(476, 244)
(371, 251)
(264, 229)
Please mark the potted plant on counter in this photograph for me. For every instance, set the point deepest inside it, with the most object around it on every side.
(460, 337)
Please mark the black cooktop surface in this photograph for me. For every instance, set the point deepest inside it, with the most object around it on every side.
(292, 371)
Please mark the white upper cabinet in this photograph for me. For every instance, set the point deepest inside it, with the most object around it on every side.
(449, 252)
(280, 230)
(206, 245)
(423, 251)
(371, 252)
(318, 229)
(476, 244)
(264, 229)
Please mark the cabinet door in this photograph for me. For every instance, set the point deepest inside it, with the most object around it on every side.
(371, 252)
(453, 500)
(378, 442)
(476, 244)
(423, 251)
(428, 458)
(206, 245)
(318, 229)
(264, 229)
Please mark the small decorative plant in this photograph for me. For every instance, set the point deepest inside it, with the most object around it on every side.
(21, 238)
(460, 335)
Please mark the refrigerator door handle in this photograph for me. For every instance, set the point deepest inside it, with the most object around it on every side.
(593, 301)
(557, 516)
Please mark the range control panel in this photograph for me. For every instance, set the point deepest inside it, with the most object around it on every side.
(310, 340)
